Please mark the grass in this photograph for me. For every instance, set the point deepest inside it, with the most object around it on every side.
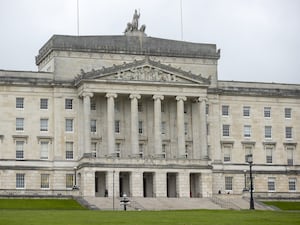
(284, 205)
(67, 212)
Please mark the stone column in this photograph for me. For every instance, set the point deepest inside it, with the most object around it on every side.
(203, 128)
(157, 125)
(87, 123)
(134, 124)
(112, 185)
(111, 123)
(180, 126)
(183, 184)
(160, 184)
(136, 184)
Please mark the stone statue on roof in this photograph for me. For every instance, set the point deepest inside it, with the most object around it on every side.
(133, 27)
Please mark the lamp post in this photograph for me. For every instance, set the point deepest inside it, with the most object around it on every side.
(250, 161)
(113, 190)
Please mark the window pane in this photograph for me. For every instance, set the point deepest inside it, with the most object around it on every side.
(269, 154)
(117, 126)
(246, 111)
(226, 130)
(69, 150)
(44, 125)
(93, 104)
(268, 132)
(163, 127)
(228, 183)
(20, 180)
(68, 103)
(69, 125)
(20, 103)
(69, 180)
(44, 180)
(288, 113)
(227, 153)
(19, 149)
(288, 132)
(94, 149)
(247, 131)
(44, 103)
(292, 184)
(93, 126)
(44, 149)
(140, 127)
(271, 184)
(267, 111)
(19, 124)
(225, 110)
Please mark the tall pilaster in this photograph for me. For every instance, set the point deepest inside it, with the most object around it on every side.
(203, 128)
(87, 122)
(134, 124)
(111, 123)
(157, 125)
(180, 126)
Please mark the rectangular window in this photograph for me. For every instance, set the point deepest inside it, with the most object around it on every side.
(68, 103)
(226, 130)
(141, 150)
(267, 112)
(20, 180)
(290, 155)
(271, 184)
(140, 127)
(20, 103)
(186, 128)
(43, 103)
(292, 184)
(69, 125)
(185, 108)
(163, 127)
(19, 124)
(288, 132)
(140, 107)
(227, 153)
(94, 149)
(118, 149)
(117, 106)
(44, 149)
(117, 126)
(228, 183)
(69, 180)
(19, 149)
(43, 124)
(93, 126)
(163, 107)
(246, 111)
(93, 104)
(247, 131)
(45, 181)
(268, 132)
(225, 110)
(288, 113)
(269, 154)
(248, 151)
(207, 109)
(69, 150)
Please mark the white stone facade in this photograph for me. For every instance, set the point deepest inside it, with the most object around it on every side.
(148, 122)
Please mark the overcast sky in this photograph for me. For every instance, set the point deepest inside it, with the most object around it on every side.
(259, 39)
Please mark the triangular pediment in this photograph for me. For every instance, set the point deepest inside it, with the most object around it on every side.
(144, 71)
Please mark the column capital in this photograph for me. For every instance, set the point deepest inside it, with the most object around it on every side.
(156, 97)
(202, 99)
(180, 97)
(133, 96)
(111, 95)
(87, 94)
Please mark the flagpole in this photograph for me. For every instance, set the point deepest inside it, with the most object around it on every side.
(77, 17)
(181, 20)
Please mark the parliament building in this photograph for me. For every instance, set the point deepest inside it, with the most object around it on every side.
(147, 117)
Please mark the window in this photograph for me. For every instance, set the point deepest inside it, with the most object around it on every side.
(43, 124)
(140, 107)
(44, 180)
(19, 124)
(226, 130)
(271, 184)
(269, 154)
(20, 103)
(93, 126)
(290, 155)
(186, 126)
(69, 150)
(288, 132)
(207, 129)
(141, 150)
(228, 183)
(268, 132)
(267, 112)
(93, 104)
(186, 152)
(117, 126)
(69, 180)
(163, 107)
(140, 127)
(227, 153)
(118, 149)
(246, 111)
(225, 110)
(94, 149)
(247, 131)
(207, 109)
(43, 103)
(248, 151)
(19, 149)
(117, 106)
(68, 103)
(185, 108)
(163, 127)
(288, 113)
(44, 149)
(164, 149)
(20, 180)
(292, 184)
(69, 125)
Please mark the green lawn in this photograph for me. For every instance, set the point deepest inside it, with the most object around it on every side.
(284, 205)
(67, 212)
